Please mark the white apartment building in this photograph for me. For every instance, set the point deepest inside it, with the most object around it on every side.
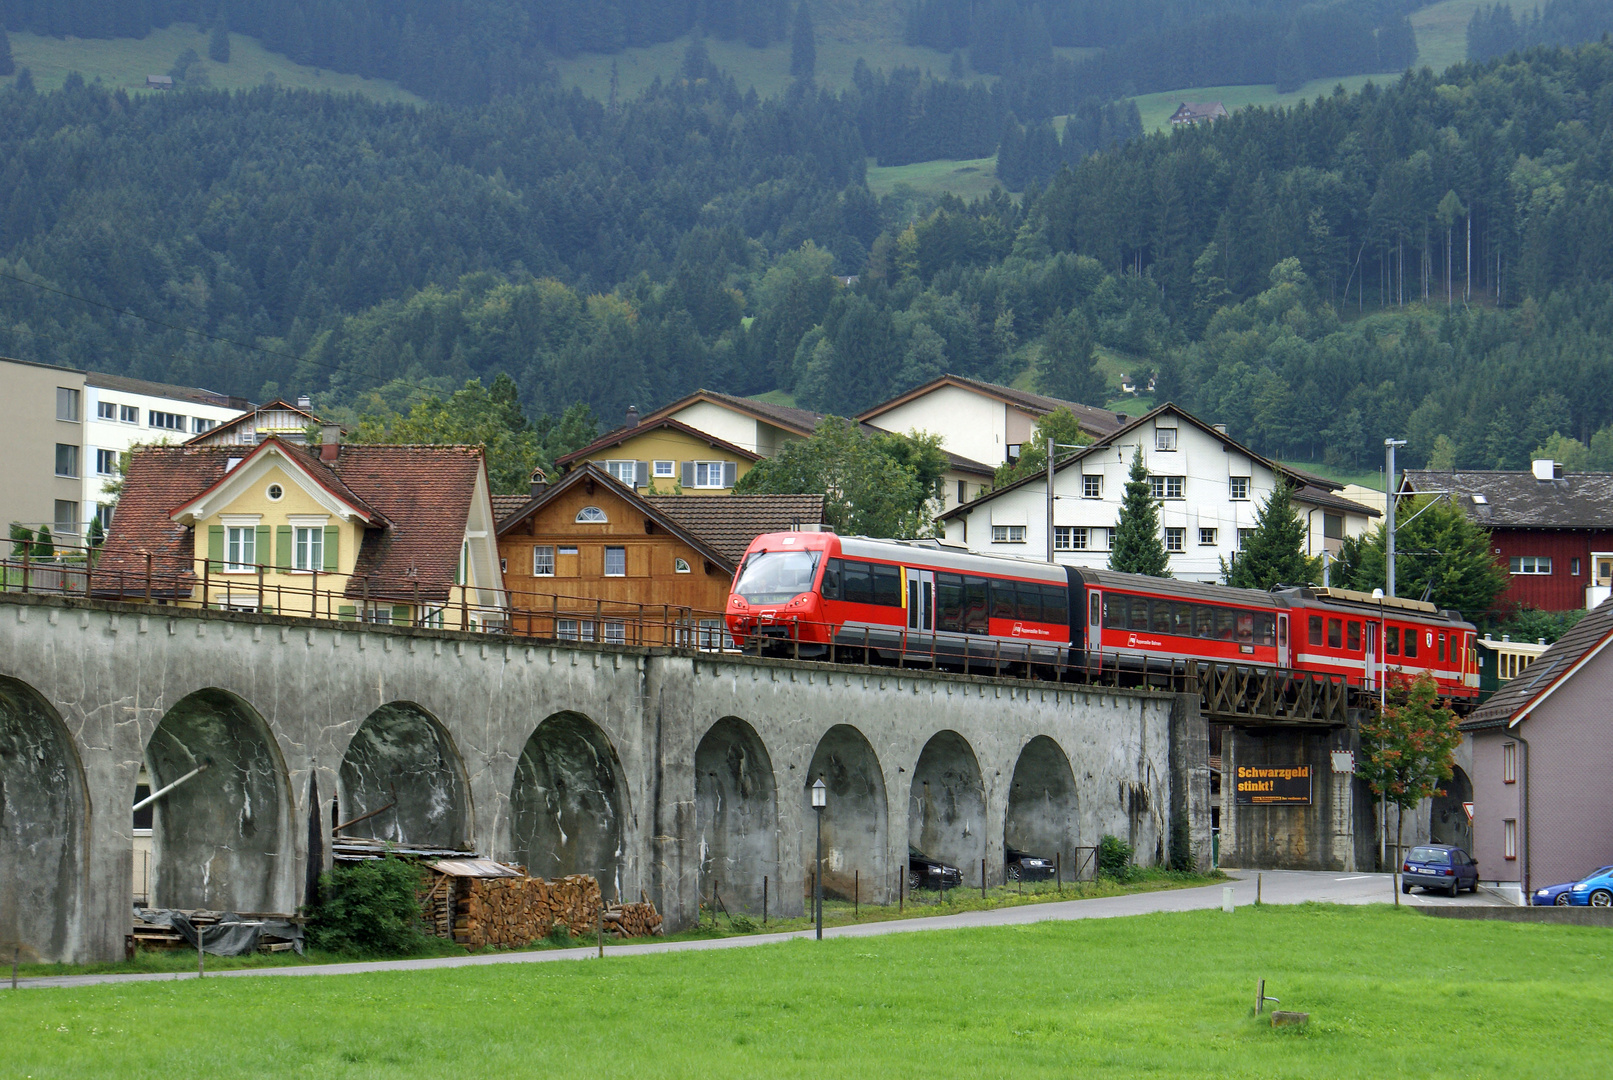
(1209, 487)
(120, 413)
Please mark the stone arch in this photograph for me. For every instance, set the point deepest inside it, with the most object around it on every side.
(856, 825)
(1447, 817)
(221, 840)
(736, 814)
(402, 756)
(1043, 810)
(946, 805)
(44, 814)
(568, 807)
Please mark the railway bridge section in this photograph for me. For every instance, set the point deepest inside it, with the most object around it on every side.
(659, 770)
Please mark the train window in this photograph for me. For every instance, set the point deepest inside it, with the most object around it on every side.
(1116, 611)
(831, 579)
(1028, 606)
(1246, 626)
(1203, 621)
(1265, 628)
(1352, 636)
(1002, 599)
(1055, 605)
(949, 602)
(1182, 620)
(1335, 633)
(1391, 641)
(1442, 647)
(974, 608)
(857, 583)
(887, 585)
(1411, 641)
(1139, 613)
(1097, 610)
(1226, 624)
(1315, 624)
(1160, 616)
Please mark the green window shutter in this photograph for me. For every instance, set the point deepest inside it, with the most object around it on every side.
(400, 614)
(333, 540)
(347, 612)
(215, 548)
(266, 609)
(262, 555)
(282, 547)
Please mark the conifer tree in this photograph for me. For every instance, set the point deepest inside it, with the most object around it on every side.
(1065, 367)
(1137, 548)
(7, 64)
(803, 47)
(218, 43)
(1275, 554)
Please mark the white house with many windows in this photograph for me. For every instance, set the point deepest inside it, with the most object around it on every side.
(120, 413)
(1210, 489)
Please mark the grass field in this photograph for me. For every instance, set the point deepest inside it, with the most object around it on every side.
(125, 62)
(1156, 109)
(1442, 32)
(1390, 993)
(965, 179)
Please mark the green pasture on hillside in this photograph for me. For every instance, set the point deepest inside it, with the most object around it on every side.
(965, 179)
(1442, 31)
(1156, 109)
(1389, 992)
(125, 63)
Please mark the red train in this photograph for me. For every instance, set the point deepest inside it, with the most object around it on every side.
(822, 595)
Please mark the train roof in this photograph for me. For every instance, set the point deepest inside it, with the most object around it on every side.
(1187, 590)
(1359, 602)
(932, 553)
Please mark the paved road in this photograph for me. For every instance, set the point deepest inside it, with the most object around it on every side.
(1274, 886)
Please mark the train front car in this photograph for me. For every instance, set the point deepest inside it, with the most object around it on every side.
(775, 603)
(1369, 639)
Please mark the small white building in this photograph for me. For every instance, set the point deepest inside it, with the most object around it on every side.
(1210, 489)
(120, 413)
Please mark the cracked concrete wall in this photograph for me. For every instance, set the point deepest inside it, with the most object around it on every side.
(736, 816)
(946, 805)
(112, 673)
(1044, 807)
(42, 819)
(568, 803)
(404, 764)
(856, 814)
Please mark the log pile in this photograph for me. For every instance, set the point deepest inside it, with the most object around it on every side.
(632, 920)
(516, 911)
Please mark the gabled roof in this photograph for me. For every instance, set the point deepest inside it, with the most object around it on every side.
(505, 505)
(1094, 421)
(277, 405)
(1311, 495)
(730, 522)
(1303, 492)
(1516, 500)
(1513, 703)
(660, 423)
(317, 472)
(195, 394)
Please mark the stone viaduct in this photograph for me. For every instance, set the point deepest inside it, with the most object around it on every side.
(656, 770)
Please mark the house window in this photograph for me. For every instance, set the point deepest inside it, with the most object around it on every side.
(1072, 538)
(615, 562)
(103, 514)
(66, 459)
(1165, 438)
(1206, 537)
(680, 566)
(615, 633)
(308, 547)
(565, 629)
(166, 420)
(240, 549)
(1238, 487)
(200, 424)
(1509, 763)
(1530, 564)
(275, 492)
(625, 472)
(963, 492)
(591, 515)
(1244, 537)
(666, 468)
(1092, 486)
(129, 414)
(713, 636)
(1573, 567)
(1008, 534)
(106, 410)
(1509, 838)
(67, 404)
(709, 474)
(66, 516)
(1165, 487)
(543, 561)
(1175, 539)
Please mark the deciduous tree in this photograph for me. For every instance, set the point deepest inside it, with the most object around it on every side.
(866, 490)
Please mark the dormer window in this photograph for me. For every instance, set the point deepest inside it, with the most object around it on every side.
(592, 515)
(1480, 500)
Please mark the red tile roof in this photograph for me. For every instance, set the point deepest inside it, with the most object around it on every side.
(622, 434)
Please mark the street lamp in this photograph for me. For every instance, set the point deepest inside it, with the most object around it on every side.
(1383, 705)
(820, 799)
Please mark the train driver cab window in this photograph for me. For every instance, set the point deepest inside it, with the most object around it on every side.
(1391, 641)
(831, 580)
(1335, 633)
(1352, 636)
(1411, 641)
(1315, 626)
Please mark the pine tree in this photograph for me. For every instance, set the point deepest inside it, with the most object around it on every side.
(1275, 554)
(218, 44)
(1065, 367)
(803, 48)
(1137, 547)
(7, 64)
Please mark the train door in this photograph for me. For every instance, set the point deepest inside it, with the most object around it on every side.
(920, 610)
(1094, 626)
(1369, 674)
(1282, 639)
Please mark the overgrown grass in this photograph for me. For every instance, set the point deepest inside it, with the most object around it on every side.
(1161, 995)
(125, 63)
(966, 179)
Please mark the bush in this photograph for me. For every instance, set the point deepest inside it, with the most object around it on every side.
(1114, 858)
(369, 909)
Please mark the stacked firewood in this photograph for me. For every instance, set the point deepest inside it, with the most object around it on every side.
(632, 920)
(521, 910)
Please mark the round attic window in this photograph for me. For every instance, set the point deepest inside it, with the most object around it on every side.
(275, 492)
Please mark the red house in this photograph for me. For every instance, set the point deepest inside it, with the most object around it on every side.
(1552, 531)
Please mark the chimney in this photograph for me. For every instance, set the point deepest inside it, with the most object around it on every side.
(632, 416)
(304, 401)
(1556, 470)
(1544, 469)
(330, 442)
(1222, 428)
(540, 483)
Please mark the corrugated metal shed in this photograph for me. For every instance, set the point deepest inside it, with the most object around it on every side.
(474, 868)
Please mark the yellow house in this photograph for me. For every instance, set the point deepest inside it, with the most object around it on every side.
(386, 534)
(664, 456)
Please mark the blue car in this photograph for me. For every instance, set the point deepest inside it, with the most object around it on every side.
(1439, 866)
(1593, 890)
(1558, 895)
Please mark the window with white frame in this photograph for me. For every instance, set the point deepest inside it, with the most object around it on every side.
(709, 474)
(1530, 564)
(106, 462)
(66, 516)
(1008, 534)
(67, 404)
(543, 560)
(1244, 536)
(680, 566)
(1071, 537)
(1509, 838)
(167, 421)
(1175, 538)
(308, 547)
(1206, 537)
(714, 636)
(1165, 438)
(565, 629)
(106, 410)
(66, 459)
(1509, 763)
(1238, 487)
(1166, 487)
(622, 470)
(615, 633)
(240, 549)
(103, 514)
(128, 414)
(666, 468)
(615, 562)
(199, 424)
(1092, 486)
(592, 515)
